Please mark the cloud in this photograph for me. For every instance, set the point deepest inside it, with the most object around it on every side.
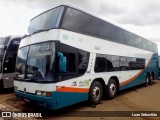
(16, 14)
(138, 16)
(141, 13)
(110, 8)
(46, 4)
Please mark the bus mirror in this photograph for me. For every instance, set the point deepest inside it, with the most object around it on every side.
(62, 62)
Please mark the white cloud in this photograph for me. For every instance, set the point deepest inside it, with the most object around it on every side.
(138, 16)
(14, 18)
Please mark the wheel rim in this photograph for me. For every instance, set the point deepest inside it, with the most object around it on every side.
(96, 93)
(112, 89)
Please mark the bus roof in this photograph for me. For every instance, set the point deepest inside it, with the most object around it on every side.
(76, 8)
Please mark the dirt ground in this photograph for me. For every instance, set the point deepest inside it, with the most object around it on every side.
(138, 98)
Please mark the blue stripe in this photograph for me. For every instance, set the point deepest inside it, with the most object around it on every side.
(58, 99)
(152, 67)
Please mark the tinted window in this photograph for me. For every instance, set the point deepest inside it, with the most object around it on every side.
(155, 48)
(136, 63)
(39, 65)
(137, 42)
(128, 38)
(145, 44)
(131, 63)
(68, 63)
(71, 62)
(109, 63)
(108, 30)
(151, 47)
(117, 34)
(75, 20)
(123, 64)
(21, 62)
(98, 28)
(115, 62)
(45, 21)
(100, 64)
(83, 61)
(140, 63)
(70, 55)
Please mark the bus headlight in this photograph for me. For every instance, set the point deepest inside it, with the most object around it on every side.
(43, 93)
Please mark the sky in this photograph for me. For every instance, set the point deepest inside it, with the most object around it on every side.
(141, 17)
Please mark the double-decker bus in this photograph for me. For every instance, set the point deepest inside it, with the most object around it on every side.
(8, 53)
(71, 56)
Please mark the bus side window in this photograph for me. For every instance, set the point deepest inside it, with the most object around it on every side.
(66, 62)
(83, 59)
(62, 62)
(100, 63)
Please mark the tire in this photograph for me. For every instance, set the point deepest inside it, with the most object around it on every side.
(95, 93)
(112, 89)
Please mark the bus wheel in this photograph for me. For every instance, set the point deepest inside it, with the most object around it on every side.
(95, 93)
(112, 89)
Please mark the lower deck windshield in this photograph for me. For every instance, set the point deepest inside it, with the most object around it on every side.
(35, 62)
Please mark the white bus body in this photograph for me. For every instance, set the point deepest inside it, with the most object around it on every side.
(91, 66)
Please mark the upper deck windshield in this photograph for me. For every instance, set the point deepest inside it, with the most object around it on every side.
(46, 20)
(34, 62)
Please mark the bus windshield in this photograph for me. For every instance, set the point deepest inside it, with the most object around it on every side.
(46, 20)
(34, 63)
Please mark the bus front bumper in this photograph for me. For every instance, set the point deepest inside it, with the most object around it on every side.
(56, 101)
(47, 102)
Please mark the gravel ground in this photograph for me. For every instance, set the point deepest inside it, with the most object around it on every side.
(135, 99)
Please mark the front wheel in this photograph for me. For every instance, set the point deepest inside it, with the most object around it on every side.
(112, 89)
(95, 93)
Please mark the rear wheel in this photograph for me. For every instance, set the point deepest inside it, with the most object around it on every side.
(95, 93)
(112, 89)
